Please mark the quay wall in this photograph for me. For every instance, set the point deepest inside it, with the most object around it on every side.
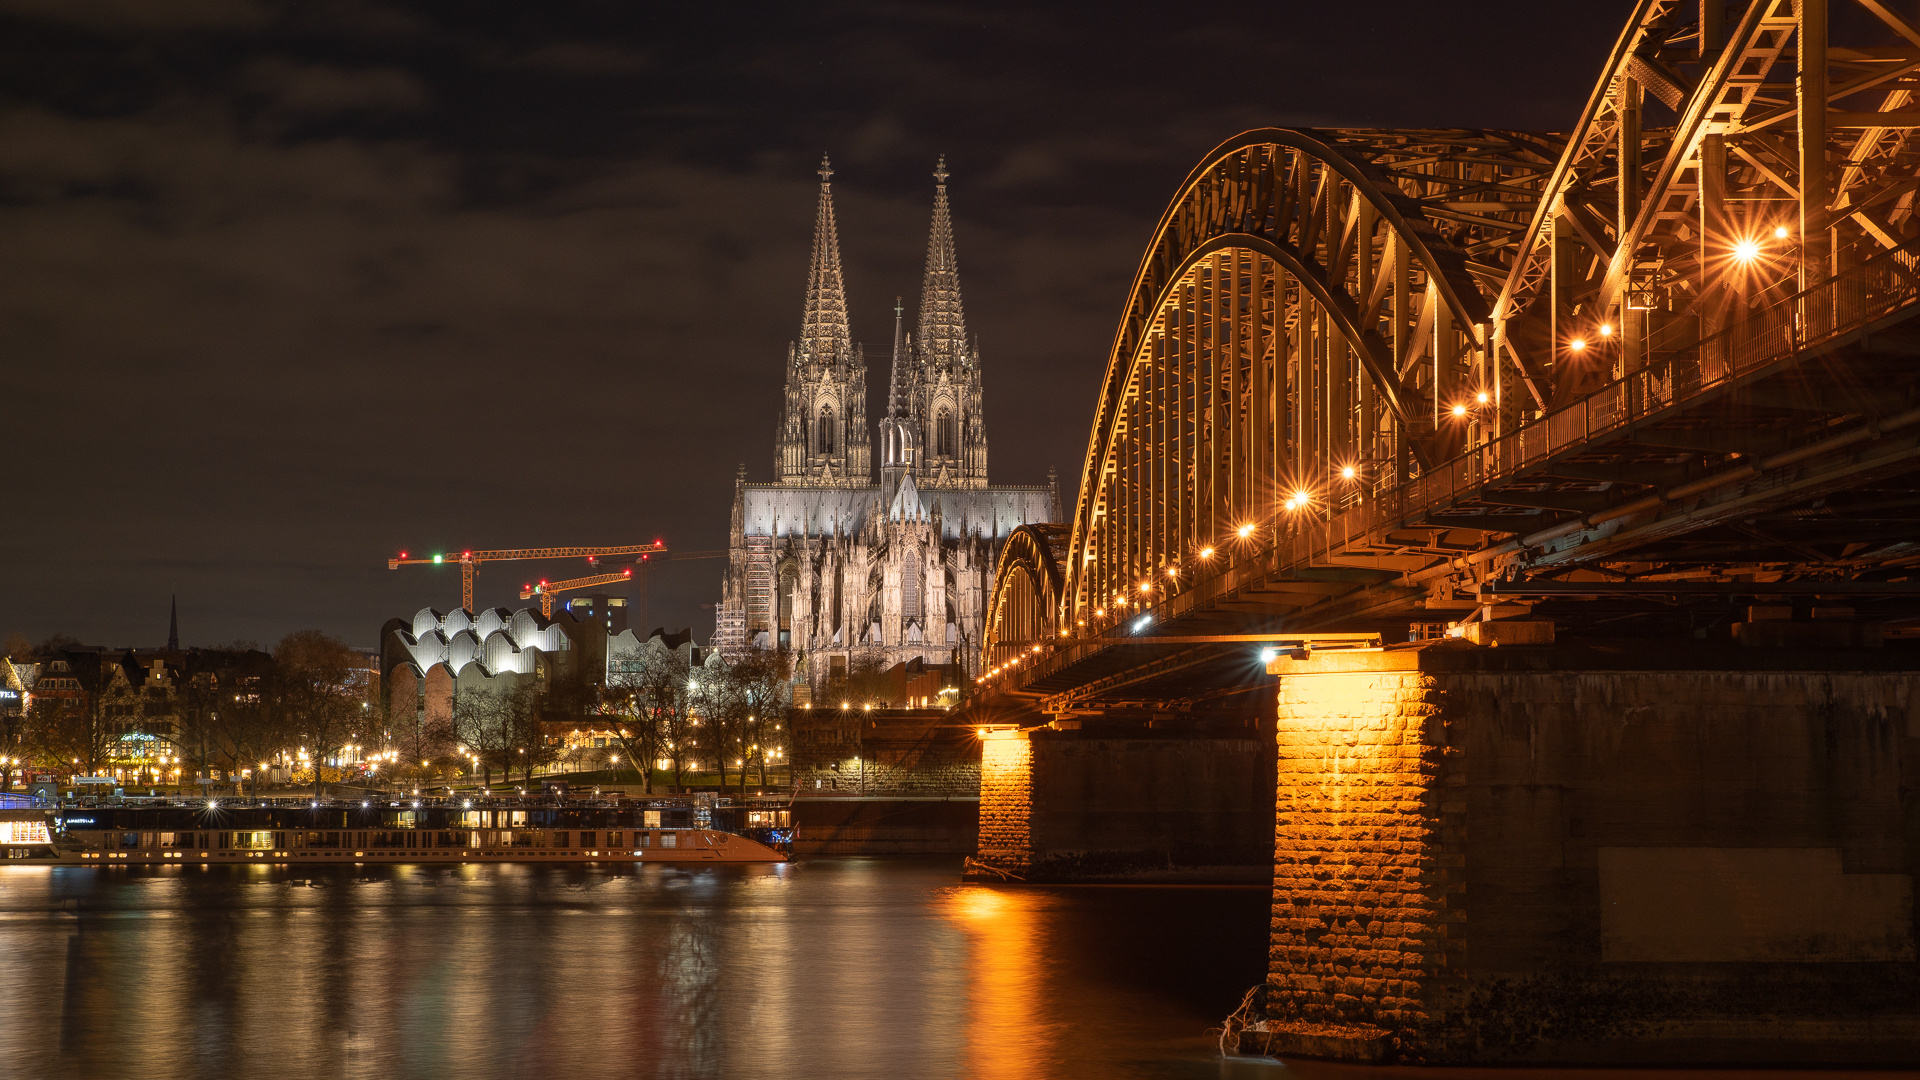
(883, 825)
(883, 782)
(1596, 855)
(1079, 806)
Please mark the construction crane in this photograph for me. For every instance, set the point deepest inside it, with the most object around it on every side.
(469, 561)
(546, 590)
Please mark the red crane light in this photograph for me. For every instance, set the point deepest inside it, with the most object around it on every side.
(403, 554)
(628, 571)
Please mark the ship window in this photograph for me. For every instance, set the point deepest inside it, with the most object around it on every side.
(613, 839)
(652, 819)
(668, 839)
(560, 839)
(586, 839)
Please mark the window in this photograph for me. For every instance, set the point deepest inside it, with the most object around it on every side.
(943, 434)
(586, 839)
(668, 839)
(823, 438)
(613, 839)
(652, 819)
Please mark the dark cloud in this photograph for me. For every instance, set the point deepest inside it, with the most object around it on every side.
(285, 287)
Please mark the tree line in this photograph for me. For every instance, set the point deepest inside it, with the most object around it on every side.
(230, 709)
(233, 710)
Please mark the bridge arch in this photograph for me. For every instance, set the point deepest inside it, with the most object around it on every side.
(1311, 302)
(1021, 613)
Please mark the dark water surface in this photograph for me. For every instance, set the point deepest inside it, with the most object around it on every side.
(823, 968)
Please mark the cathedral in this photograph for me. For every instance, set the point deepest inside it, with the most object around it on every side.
(848, 569)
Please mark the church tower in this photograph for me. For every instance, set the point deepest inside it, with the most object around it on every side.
(823, 439)
(947, 394)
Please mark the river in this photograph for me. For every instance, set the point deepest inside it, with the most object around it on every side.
(821, 968)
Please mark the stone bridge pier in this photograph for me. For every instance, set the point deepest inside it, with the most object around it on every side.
(1634, 854)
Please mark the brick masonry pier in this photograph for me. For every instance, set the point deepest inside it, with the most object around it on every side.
(1634, 854)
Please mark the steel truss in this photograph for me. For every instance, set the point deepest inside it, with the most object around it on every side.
(1424, 359)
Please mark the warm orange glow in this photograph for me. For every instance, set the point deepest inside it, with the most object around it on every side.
(1206, 553)
(1146, 586)
(1577, 345)
(1459, 410)
(1482, 397)
(1245, 531)
(1347, 473)
(1173, 571)
(1606, 329)
(1780, 232)
(1746, 251)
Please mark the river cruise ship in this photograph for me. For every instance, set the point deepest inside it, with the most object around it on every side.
(222, 832)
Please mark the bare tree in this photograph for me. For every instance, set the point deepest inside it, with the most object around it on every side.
(69, 720)
(762, 676)
(654, 699)
(491, 723)
(314, 694)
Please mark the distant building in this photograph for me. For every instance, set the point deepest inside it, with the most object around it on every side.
(426, 660)
(851, 573)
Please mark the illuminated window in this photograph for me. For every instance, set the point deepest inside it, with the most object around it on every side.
(823, 438)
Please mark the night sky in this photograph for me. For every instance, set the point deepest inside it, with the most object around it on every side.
(287, 287)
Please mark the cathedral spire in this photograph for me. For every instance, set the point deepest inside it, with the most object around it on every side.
(943, 325)
(823, 329)
(898, 406)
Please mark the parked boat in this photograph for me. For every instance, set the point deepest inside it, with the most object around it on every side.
(230, 832)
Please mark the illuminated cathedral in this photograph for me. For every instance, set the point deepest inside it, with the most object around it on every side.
(846, 568)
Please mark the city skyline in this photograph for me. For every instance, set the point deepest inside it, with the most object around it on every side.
(538, 258)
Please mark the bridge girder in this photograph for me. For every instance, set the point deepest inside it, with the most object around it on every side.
(1474, 353)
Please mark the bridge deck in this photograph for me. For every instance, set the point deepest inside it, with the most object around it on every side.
(1769, 443)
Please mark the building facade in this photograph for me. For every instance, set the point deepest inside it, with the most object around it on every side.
(852, 570)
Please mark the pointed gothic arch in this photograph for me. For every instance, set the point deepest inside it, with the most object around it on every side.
(823, 441)
(945, 432)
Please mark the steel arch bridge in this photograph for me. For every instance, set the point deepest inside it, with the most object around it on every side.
(1374, 381)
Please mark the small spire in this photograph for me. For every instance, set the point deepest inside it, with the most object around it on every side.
(826, 169)
(896, 388)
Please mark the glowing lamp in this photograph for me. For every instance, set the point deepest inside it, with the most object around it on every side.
(1606, 329)
(1780, 232)
(1206, 553)
(1481, 397)
(1746, 251)
(1244, 531)
(1347, 473)
(1459, 410)
(1577, 344)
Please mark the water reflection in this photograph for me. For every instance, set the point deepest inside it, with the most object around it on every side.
(825, 968)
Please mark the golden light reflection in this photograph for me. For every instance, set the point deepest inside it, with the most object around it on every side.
(1007, 1032)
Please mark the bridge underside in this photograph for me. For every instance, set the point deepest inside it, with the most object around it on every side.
(1786, 488)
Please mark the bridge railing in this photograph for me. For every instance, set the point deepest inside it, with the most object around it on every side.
(1839, 305)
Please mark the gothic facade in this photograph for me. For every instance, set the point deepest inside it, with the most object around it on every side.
(848, 569)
